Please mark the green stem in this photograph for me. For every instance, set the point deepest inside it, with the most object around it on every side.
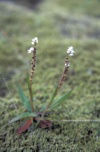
(52, 98)
(31, 78)
(31, 97)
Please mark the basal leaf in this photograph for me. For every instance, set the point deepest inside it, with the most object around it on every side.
(45, 124)
(54, 94)
(24, 99)
(23, 115)
(25, 127)
(60, 100)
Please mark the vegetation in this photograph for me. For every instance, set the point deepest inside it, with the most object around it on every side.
(58, 24)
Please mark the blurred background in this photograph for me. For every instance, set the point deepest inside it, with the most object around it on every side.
(58, 24)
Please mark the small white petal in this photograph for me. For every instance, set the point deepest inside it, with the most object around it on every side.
(30, 50)
(67, 65)
(33, 43)
(71, 54)
(34, 40)
(68, 51)
(71, 48)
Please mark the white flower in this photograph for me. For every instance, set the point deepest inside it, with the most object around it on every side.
(35, 40)
(70, 51)
(71, 54)
(30, 50)
(67, 65)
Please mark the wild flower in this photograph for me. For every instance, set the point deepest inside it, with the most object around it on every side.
(30, 50)
(35, 41)
(30, 112)
(70, 51)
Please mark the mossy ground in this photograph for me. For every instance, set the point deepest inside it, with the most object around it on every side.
(58, 24)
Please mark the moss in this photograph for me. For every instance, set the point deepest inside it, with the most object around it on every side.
(17, 27)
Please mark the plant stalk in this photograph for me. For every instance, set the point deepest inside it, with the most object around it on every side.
(60, 83)
(31, 78)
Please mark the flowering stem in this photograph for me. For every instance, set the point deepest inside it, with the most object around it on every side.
(60, 83)
(64, 73)
(31, 77)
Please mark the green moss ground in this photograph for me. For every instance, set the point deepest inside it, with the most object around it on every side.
(58, 24)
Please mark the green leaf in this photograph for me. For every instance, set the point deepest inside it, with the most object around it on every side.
(23, 115)
(60, 100)
(24, 99)
(28, 81)
(44, 106)
(54, 94)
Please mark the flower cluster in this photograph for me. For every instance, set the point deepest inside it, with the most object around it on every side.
(70, 51)
(34, 42)
(30, 50)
